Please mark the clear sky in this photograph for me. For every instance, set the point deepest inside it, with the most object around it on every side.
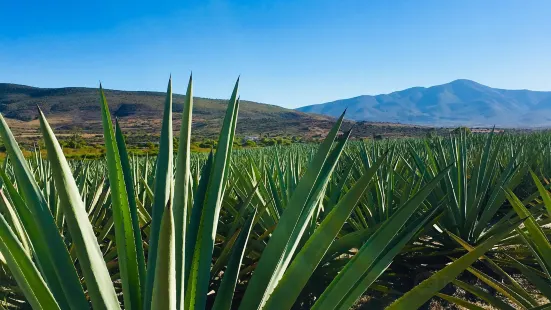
(289, 53)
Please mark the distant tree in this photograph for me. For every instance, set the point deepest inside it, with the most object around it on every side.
(267, 141)
(250, 143)
(463, 129)
(283, 141)
(207, 144)
(432, 134)
(76, 141)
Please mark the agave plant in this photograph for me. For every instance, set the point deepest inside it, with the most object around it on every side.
(306, 226)
(140, 239)
(496, 267)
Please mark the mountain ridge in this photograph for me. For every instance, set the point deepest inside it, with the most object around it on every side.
(77, 109)
(461, 102)
(17, 97)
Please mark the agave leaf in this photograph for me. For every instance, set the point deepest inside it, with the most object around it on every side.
(459, 302)
(24, 271)
(14, 221)
(382, 263)
(164, 287)
(537, 236)
(229, 244)
(29, 230)
(349, 241)
(182, 194)
(225, 293)
(278, 201)
(508, 179)
(274, 255)
(517, 288)
(306, 261)
(337, 192)
(502, 289)
(480, 293)
(199, 278)
(52, 256)
(543, 192)
(122, 217)
(129, 183)
(540, 283)
(313, 204)
(195, 218)
(420, 294)
(373, 249)
(162, 191)
(98, 282)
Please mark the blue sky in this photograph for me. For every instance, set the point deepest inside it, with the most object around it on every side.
(289, 53)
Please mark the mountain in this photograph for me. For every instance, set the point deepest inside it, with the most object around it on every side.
(461, 102)
(19, 102)
(77, 109)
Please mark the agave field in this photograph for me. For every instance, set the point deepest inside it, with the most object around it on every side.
(462, 221)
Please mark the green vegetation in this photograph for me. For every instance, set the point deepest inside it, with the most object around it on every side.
(458, 220)
(461, 130)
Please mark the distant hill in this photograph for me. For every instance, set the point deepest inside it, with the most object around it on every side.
(77, 108)
(19, 102)
(461, 102)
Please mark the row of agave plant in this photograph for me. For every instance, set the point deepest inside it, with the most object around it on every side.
(277, 228)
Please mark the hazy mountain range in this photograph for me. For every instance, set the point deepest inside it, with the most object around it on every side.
(461, 102)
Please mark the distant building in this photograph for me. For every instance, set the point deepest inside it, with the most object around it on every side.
(484, 130)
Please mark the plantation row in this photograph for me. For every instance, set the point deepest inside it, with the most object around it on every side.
(401, 221)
